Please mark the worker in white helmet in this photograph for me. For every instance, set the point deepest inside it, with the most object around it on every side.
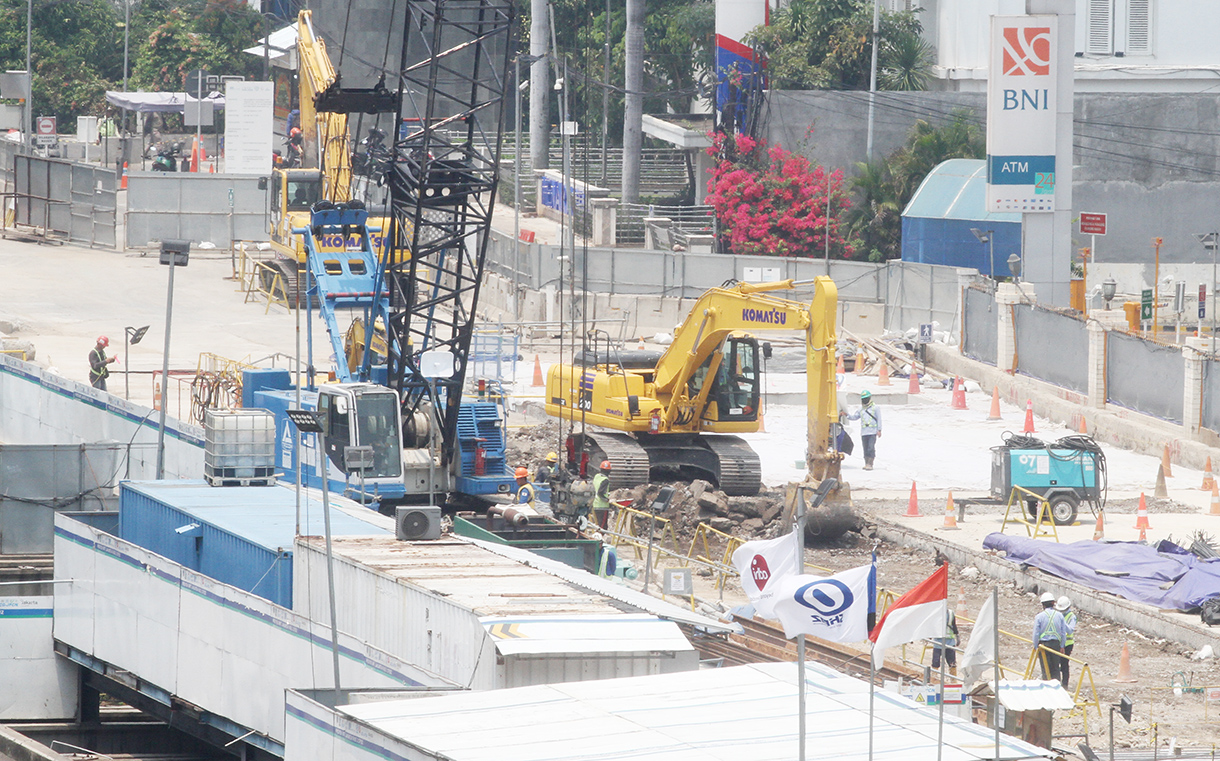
(1064, 606)
(1050, 631)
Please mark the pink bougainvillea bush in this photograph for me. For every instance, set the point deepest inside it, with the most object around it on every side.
(771, 201)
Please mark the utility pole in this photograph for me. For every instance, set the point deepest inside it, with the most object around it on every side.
(633, 115)
(540, 85)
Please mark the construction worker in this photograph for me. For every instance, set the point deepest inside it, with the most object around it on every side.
(601, 487)
(525, 490)
(946, 644)
(869, 416)
(98, 361)
(1050, 632)
(546, 471)
(1064, 606)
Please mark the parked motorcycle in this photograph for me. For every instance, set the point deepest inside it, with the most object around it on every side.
(167, 158)
(374, 158)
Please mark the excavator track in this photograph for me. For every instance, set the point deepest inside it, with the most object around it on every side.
(287, 271)
(740, 468)
(628, 460)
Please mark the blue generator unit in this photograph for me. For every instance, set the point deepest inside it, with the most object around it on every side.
(1067, 474)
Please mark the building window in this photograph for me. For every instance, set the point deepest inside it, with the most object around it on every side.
(1122, 27)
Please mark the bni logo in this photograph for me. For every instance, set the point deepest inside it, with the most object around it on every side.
(1027, 51)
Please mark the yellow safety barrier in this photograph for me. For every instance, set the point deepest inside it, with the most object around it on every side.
(1044, 522)
(631, 526)
(706, 536)
(15, 352)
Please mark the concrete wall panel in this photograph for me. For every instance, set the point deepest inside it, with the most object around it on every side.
(1053, 347)
(1145, 376)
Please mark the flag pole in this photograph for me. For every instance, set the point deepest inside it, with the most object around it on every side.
(872, 679)
(800, 639)
(995, 633)
(940, 719)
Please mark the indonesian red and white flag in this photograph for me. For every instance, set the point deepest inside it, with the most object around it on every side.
(920, 613)
(761, 563)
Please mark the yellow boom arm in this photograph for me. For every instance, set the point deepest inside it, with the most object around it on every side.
(329, 130)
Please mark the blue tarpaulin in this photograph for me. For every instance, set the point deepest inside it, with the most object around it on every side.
(1165, 576)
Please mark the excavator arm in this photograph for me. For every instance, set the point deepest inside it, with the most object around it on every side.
(326, 139)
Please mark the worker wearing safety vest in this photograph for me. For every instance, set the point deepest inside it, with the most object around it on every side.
(601, 487)
(1050, 631)
(525, 490)
(946, 644)
(546, 471)
(98, 361)
(869, 416)
(1064, 606)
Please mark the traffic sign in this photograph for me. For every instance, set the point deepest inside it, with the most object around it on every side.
(197, 83)
(1202, 301)
(1092, 224)
(45, 140)
(45, 125)
(1146, 304)
(925, 332)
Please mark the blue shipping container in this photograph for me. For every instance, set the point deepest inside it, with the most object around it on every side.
(239, 535)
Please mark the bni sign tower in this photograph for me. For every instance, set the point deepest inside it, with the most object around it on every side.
(1029, 138)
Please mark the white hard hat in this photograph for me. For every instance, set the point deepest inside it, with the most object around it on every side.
(1063, 604)
(1048, 597)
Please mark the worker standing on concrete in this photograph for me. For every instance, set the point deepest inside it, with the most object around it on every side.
(946, 644)
(546, 471)
(525, 490)
(601, 487)
(869, 416)
(98, 361)
(1050, 631)
(1064, 606)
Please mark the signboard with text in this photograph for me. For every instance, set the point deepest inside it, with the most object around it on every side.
(1092, 224)
(1022, 99)
(1146, 305)
(248, 136)
(1202, 301)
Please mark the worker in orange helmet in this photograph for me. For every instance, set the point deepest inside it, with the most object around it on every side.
(525, 490)
(98, 361)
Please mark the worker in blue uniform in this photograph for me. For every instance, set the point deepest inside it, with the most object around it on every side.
(1050, 632)
(525, 490)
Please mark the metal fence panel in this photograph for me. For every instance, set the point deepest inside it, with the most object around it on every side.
(1053, 347)
(980, 325)
(1210, 413)
(196, 207)
(916, 293)
(64, 198)
(1138, 372)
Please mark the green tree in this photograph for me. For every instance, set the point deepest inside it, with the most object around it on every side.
(826, 44)
(173, 50)
(884, 187)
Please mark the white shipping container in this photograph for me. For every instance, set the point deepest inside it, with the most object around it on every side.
(480, 619)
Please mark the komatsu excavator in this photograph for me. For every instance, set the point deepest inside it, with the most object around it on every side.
(673, 413)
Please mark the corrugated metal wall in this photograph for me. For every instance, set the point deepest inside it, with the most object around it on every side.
(1053, 347)
(33, 477)
(1145, 376)
(230, 559)
(196, 207)
(980, 325)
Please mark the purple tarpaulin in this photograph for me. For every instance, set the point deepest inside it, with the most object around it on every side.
(1169, 580)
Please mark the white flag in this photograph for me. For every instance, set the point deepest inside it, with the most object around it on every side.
(980, 652)
(761, 563)
(832, 607)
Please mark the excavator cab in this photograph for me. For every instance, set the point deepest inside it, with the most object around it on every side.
(362, 415)
(736, 387)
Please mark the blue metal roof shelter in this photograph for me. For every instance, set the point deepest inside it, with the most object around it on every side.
(240, 535)
(951, 200)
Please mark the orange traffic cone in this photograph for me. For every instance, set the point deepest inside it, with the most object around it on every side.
(212, 167)
(157, 395)
(195, 155)
(913, 383)
(123, 181)
(1209, 481)
(883, 375)
(1141, 514)
(1165, 462)
(958, 400)
(913, 504)
(1099, 531)
(950, 513)
(962, 610)
(1083, 428)
(859, 369)
(1160, 491)
(762, 424)
(1124, 666)
(1215, 506)
(839, 368)
(1029, 416)
(995, 404)
(538, 382)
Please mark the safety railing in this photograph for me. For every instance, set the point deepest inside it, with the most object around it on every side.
(18, 353)
(1043, 523)
(1038, 657)
(258, 279)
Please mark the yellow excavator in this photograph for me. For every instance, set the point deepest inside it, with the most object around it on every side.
(673, 413)
(326, 173)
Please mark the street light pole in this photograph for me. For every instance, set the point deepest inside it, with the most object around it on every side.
(29, 72)
(174, 253)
